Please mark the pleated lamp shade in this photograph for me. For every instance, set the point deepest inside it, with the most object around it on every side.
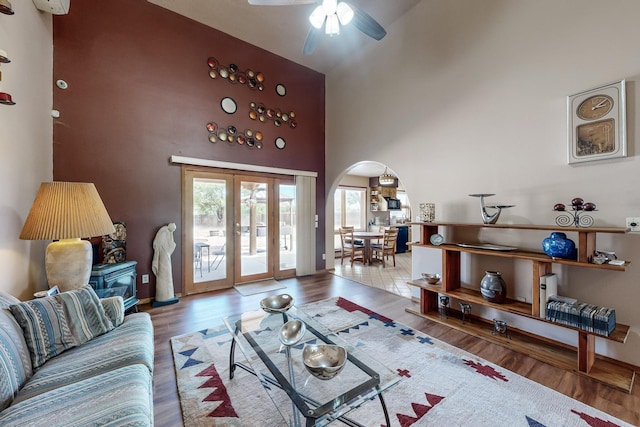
(67, 211)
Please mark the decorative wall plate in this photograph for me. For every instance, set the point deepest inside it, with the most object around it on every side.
(262, 113)
(3, 57)
(6, 99)
(229, 105)
(280, 143)
(281, 89)
(232, 73)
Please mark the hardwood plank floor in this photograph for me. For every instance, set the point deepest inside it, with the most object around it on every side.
(206, 310)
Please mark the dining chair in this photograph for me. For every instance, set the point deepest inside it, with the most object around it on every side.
(219, 255)
(349, 246)
(381, 251)
(199, 247)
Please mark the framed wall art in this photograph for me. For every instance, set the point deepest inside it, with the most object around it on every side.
(597, 126)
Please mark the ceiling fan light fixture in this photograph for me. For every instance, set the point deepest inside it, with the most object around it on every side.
(332, 27)
(329, 6)
(344, 12)
(317, 17)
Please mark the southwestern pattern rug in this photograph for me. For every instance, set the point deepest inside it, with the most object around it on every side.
(441, 385)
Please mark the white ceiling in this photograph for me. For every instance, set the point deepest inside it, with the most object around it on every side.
(283, 29)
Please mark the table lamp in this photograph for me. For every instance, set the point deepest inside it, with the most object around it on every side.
(66, 212)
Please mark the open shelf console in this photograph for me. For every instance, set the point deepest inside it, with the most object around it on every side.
(583, 356)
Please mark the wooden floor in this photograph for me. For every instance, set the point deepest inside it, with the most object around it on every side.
(206, 310)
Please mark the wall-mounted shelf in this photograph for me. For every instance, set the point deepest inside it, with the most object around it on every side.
(583, 357)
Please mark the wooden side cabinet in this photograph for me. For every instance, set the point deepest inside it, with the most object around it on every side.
(109, 280)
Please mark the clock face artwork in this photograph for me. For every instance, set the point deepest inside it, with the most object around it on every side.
(596, 121)
(595, 107)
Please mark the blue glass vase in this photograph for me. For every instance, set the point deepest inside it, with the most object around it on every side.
(558, 246)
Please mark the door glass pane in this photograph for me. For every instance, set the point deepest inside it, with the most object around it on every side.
(253, 228)
(209, 219)
(287, 226)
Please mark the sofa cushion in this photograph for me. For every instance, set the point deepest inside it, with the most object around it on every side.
(6, 300)
(122, 397)
(15, 362)
(114, 309)
(85, 315)
(131, 343)
(45, 328)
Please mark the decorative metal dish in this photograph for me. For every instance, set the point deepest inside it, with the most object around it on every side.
(277, 303)
(324, 361)
(292, 332)
(431, 278)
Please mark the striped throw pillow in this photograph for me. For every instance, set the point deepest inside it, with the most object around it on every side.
(85, 314)
(44, 325)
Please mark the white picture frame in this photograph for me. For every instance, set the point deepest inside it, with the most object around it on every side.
(596, 124)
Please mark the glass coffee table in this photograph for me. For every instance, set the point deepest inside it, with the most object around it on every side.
(295, 392)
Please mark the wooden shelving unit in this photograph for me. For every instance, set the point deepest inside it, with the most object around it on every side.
(581, 358)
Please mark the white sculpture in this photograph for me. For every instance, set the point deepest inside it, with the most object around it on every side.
(163, 246)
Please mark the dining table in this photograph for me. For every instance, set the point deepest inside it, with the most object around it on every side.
(367, 237)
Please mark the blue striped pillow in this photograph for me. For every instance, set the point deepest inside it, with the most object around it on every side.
(85, 314)
(44, 324)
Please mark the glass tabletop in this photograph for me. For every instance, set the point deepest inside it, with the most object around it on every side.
(296, 393)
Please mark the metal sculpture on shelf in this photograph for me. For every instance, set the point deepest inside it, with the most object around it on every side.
(577, 217)
(489, 218)
(443, 308)
(500, 327)
(465, 308)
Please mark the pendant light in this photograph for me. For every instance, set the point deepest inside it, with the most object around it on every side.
(386, 178)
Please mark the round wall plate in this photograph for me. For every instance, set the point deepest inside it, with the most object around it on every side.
(281, 89)
(280, 143)
(229, 105)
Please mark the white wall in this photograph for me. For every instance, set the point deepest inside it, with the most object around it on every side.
(467, 96)
(25, 140)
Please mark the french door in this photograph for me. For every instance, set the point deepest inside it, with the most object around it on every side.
(238, 227)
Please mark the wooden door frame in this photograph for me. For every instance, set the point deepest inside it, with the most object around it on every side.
(188, 172)
(188, 175)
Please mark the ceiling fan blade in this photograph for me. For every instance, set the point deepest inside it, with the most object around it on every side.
(367, 24)
(279, 2)
(311, 41)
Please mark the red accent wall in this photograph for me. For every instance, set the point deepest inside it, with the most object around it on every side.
(139, 91)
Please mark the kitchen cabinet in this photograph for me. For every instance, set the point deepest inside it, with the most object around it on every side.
(580, 358)
(403, 238)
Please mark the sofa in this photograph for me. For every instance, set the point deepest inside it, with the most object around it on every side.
(73, 359)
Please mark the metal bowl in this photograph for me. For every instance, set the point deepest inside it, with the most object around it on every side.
(324, 361)
(292, 332)
(431, 278)
(277, 303)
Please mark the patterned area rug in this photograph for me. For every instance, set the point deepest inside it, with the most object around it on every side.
(441, 385)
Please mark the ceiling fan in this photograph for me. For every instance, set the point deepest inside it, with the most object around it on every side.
(331, 14)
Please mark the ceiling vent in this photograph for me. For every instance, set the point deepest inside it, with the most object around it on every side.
(55, 7)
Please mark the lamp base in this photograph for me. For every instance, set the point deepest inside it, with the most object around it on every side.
(68, 264)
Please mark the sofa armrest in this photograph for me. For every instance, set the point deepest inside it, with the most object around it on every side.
(114, 308)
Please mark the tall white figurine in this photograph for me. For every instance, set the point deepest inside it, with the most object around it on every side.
(163, 246)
